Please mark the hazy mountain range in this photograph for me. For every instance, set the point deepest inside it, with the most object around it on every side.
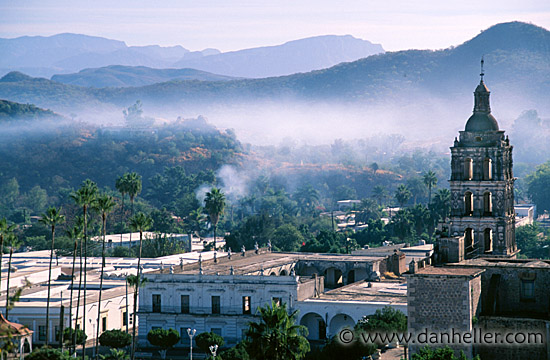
(125, 76)
(68, 53)
(424, 95)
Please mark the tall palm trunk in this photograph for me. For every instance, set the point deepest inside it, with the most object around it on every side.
(121, 218)
(132, 212)
(72, 287)
(49, 287)
(8, 286)
(104, 219)
(1, 252)
(85, 279)
(138, 279)
(79, 288)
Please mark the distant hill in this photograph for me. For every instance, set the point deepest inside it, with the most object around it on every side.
(297, 56)
(65, 53)
(69, 53)
(13, 111)
(125, 76)
(517, 59)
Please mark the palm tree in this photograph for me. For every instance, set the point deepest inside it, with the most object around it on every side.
(402, 195)
(430, 179)
(214, 203)
(307, 197)
(85, 196)
(368, 210)
(139, 222)
(74, 233)
(51, 218)
(13, 243)
(379, 192)
(276, 336)
(121, 185)
(133, 188)
(193, 223)
(105, 204)
(5, 229)
(442, 203)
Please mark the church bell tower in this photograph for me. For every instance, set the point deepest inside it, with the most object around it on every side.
(482, 186)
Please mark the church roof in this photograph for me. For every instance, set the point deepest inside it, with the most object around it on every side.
(11, 328)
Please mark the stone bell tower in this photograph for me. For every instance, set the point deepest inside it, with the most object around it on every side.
(482, 187)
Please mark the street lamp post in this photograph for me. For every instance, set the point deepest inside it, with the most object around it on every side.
(191, 333)
(213, 350)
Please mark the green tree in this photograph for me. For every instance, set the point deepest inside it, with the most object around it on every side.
(71, 336)
(402, 195)
(307, 198)
(276, 336)
(214, 203)
(13, 243)
(5, 229)
(530, 240)
(430, 179)
(386, 319)
(441, 203)
(139, 222)
(104, 205)
(85, 196)
(115, 354)
(165, 339)
(47, 353)
(444, 353)
(417, 188)
(116, 339)
(380, 193)
(206, 339)
(368, 210)
(538, 184)
(287, 238)
(51, 218)
(122, 187)
(237, 352)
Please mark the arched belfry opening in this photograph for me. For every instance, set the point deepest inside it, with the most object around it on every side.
(487, 204)
(488, 240)
(468, 203)
(487, 169)
(468, 169)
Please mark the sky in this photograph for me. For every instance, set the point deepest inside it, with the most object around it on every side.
(238, 24)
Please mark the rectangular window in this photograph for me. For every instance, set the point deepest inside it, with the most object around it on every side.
(527, 289)
(278, 301)
(131, 319)
(103, 324)
(157, 304)
(247, 305)
(124, 318)
(185, 304)
(215, 304)
(217, 331)
(41, 333)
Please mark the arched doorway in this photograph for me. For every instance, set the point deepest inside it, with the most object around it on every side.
(315, 325)
(339, 322)
(283, 273)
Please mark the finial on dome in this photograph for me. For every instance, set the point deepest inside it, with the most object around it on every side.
(482, 73)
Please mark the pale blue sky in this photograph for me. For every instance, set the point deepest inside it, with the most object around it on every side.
(237, 24)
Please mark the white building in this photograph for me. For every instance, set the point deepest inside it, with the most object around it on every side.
(223, 296)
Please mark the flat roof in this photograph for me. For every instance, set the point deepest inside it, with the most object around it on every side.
(387, 292)
(448, 271)
(511, 263)
(252, 263)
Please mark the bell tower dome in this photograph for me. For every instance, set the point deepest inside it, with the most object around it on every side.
(482, 185)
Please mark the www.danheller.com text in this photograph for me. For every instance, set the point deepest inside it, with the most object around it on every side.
(449, 337)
